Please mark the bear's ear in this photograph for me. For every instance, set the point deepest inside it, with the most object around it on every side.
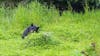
(32, 24)
(38, 28)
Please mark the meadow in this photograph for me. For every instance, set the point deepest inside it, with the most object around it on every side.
(71, 34)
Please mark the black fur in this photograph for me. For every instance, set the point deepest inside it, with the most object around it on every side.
(30, 29)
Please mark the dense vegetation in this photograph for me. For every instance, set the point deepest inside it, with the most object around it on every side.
(79, 6)
(66, 35)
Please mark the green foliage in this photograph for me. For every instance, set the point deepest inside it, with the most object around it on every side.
(66, 35)
(42, 40)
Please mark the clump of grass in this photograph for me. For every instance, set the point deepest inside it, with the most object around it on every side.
(42, 40)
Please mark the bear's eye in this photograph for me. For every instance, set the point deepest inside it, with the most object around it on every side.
(37, 27)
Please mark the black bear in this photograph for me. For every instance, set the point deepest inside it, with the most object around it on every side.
(30, 29)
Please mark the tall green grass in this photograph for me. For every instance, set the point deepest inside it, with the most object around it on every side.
(66, 35)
